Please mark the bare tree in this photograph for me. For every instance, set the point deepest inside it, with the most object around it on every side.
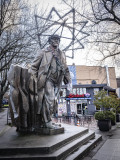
(16, 45)
(104, 21)
(106, 31)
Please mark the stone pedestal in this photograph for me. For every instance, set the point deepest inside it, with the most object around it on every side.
(47, 131)
(78, 140)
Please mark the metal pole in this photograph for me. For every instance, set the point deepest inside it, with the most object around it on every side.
(108, 78)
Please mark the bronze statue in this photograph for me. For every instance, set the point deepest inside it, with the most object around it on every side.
(34, 92)
(49, 69)
(22, 98)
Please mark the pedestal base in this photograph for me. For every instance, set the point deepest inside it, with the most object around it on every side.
(48, 131)
(73, 144)
(57, 129)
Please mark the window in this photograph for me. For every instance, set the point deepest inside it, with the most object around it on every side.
(78, 91)
(96, 90)
(74, 91)
(82, 90)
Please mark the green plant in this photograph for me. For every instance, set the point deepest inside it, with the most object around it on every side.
(99, 115)
(105, 102)
(109, 104)
(101, 100)
(102, 115)
(114, 102)
(118, 110)
(110, 115)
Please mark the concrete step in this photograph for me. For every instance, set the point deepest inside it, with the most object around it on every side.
(84, 149)
(84, 143)
(71, 147)
(55, 147)
(36, 144)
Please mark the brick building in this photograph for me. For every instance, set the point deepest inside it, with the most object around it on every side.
(102, 75)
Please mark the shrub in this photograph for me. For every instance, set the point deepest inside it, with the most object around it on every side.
(111, 116)
(105, 102)
(105, 115)
(99, 115)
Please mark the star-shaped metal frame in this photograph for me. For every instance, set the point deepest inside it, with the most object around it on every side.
(57, 24)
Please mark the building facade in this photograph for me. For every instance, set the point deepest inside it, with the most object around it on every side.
(87, 81)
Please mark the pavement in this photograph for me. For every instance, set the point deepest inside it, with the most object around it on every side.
(107, 149)
(3, 121)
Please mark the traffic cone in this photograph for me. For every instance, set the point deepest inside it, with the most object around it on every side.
(78, 123)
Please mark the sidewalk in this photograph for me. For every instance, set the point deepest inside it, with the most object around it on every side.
(3, 121)
(107, 149)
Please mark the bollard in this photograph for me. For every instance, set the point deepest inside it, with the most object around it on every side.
(78, 123)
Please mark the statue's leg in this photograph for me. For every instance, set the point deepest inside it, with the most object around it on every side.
(49, 98)
(39, 110)
(40, 100)
(46, 97)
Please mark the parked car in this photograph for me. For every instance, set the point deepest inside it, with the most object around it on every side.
(5, 102)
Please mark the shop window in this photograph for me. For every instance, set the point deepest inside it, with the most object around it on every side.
(74, 91)
(82, 90)
(78, 91)
(79, 111)
(96, 90)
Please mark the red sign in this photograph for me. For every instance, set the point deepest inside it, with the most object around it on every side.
(78, 95)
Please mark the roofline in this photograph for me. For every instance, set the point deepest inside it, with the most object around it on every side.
(87, 86)
(88, 66)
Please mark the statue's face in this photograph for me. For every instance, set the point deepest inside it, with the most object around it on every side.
(55, 42)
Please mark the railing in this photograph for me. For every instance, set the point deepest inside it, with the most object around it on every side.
(87, 121)
(83, 121)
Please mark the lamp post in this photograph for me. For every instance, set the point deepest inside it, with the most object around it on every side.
(68, 104)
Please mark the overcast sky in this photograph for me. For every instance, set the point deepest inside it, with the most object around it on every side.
(84, 56)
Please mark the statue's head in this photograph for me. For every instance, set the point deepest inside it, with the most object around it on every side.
(54, 40)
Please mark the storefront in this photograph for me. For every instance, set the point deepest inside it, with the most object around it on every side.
(78, 105)
(80, 99)
(81, 107)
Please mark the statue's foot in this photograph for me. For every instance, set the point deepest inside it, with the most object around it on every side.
(50, 125)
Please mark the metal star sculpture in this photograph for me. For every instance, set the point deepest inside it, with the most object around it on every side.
(70, 31)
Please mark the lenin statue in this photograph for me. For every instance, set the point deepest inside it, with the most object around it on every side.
(34, 92)
(49, 69)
